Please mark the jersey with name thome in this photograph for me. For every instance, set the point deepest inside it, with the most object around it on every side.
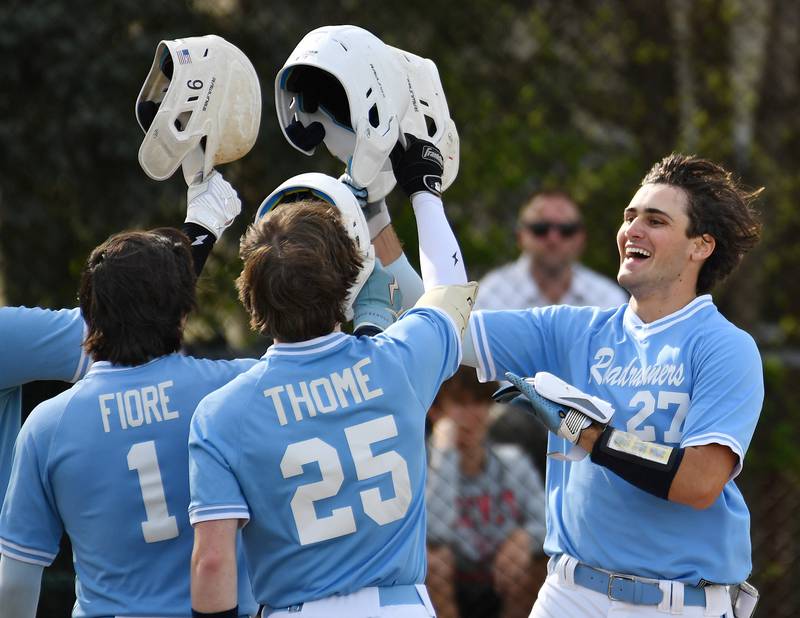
(321, 446)
(38, 344)
(107, 463)
(688, 379)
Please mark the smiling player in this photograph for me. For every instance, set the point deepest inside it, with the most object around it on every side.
(653, 521)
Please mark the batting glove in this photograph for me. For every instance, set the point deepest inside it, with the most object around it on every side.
(376, 213)
(562, 408)
(213, 204)
(379, 302)
(418, 167)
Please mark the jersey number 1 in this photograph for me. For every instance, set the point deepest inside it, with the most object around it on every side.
(313, 529)
(159, 525)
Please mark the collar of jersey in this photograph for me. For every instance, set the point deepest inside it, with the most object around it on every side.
(634, 324)
(311, 346)
(106, 366)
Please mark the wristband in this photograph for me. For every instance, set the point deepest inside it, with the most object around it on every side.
(201, 242)
(647, 465)
(228, 613)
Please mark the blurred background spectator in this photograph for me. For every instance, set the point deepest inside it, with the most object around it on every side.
(551, 236)
(485, 511)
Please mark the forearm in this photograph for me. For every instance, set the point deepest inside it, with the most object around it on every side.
(699, 477)
(389, 251)
(213, 568)
(439, 254)
(702, 475)
(20, 584)
(213, 585)
(388, 247)
(201, 242)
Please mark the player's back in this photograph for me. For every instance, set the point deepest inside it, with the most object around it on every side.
(114, 461)
(326, 443)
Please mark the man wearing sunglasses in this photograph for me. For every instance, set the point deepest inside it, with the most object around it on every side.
(552, 237)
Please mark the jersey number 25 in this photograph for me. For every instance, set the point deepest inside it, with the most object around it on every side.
(313, 529)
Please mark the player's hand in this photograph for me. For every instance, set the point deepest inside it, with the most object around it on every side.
(376, 213)
(213, 203)
(379, 301)
(418, 167)
(562, 408)
(522, 393)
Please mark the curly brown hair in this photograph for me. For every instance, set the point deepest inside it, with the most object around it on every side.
(718, 205)
(299, 264)
(135, 292)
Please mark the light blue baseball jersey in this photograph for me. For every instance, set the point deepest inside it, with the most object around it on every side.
(38, 344)
(321, 447)
(688, 379)
(107, 462)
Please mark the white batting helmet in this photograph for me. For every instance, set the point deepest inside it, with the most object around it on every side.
(320, 186)
(342, 86)
(200, 106)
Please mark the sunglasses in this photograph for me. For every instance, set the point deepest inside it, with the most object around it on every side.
(540, 229)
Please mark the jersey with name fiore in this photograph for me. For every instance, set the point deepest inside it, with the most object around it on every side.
(321, 446)
(38, 344)
(688, 379)
(107, 462)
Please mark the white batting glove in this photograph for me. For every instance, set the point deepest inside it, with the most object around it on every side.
(213, 203)
(376, 213)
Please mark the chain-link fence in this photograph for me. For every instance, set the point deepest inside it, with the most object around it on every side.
(465, 580)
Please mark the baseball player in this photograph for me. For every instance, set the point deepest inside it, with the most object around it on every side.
(44, 344)
(669, 393)
(106, 460)
(318, 450)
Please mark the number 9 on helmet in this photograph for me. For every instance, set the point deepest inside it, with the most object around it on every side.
(200, 106)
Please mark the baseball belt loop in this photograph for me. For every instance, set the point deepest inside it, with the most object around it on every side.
(676, 598)
(566, 570)
(665, 586)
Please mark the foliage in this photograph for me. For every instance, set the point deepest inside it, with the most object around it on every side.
(571, 94)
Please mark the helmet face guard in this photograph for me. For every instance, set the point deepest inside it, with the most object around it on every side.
(322, 187)
(200, 106)
(344, 87)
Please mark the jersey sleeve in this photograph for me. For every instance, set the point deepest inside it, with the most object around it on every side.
(41, 344)
(425, 342)
(30, 527)
(727, 395)
(213, 436)
(530, 340)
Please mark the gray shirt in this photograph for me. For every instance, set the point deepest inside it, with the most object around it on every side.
(475, 514)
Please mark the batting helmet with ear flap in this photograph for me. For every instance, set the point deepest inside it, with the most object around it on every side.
(342, 86)
(322, 187)
(200, 106)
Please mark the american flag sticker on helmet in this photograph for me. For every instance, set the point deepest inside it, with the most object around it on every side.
(184, 57)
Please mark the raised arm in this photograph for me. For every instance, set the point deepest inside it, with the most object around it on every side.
(211, 207)
(418, 168)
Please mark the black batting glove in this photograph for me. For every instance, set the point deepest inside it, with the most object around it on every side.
(418, 167)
